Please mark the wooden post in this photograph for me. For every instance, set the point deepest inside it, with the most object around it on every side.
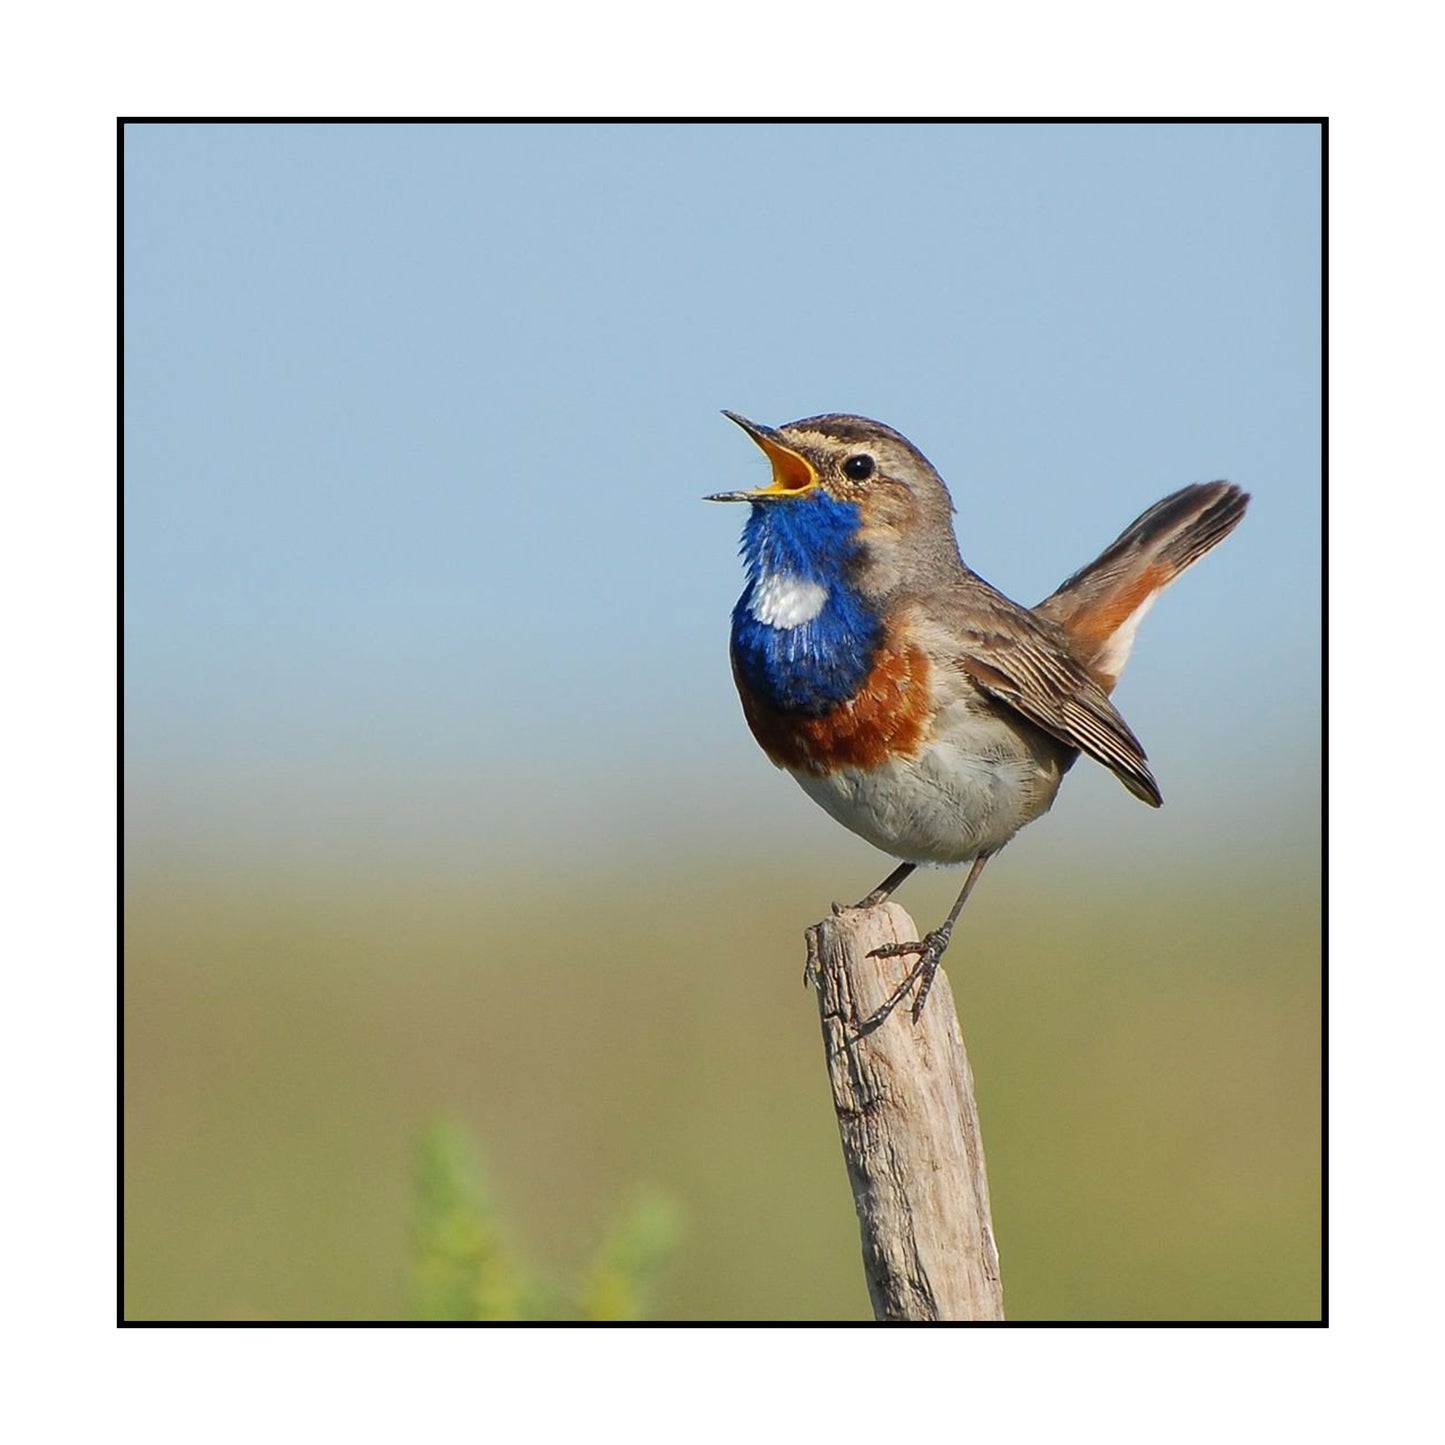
(903, 1093)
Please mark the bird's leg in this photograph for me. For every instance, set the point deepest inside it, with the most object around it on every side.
(886, 887)
(929, 950)
(882, 891)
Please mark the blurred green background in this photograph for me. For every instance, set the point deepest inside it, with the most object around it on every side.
(439, 803)
(1146, 1052)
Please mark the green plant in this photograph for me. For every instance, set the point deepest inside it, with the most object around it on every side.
(467, 1265)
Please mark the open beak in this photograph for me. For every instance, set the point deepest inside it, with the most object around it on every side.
(793, 474)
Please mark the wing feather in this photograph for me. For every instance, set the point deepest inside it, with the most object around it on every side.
(1018, 660)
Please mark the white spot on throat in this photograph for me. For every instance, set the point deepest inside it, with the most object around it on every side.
(783, 600)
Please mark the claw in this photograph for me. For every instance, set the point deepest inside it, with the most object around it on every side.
(930, 952)
(927, 966)
(897, 950)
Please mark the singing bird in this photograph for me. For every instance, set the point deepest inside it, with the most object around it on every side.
(912, 701)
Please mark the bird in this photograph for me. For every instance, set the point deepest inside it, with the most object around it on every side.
(914, 702)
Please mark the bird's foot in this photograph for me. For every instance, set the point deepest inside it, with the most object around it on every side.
(930, 951)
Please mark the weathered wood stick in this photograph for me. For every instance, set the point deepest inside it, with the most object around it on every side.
(903, 1093)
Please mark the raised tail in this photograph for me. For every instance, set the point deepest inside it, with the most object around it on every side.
(1100, 606)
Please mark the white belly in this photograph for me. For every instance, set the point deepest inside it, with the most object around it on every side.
(967, 791)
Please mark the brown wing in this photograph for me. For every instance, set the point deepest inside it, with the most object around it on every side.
(1024, 663)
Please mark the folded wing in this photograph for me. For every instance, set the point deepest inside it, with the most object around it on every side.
(1023, 663)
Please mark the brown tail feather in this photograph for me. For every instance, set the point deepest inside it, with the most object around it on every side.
(1100, 606)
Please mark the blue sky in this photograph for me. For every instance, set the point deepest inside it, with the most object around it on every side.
(418, 420)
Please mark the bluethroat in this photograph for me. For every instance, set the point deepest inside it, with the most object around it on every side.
(912, 701)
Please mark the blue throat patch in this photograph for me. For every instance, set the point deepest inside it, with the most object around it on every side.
(813, 667)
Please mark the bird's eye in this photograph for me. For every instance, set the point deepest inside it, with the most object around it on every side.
(859, 467)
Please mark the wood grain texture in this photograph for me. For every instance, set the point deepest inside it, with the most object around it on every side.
(903, 1094)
